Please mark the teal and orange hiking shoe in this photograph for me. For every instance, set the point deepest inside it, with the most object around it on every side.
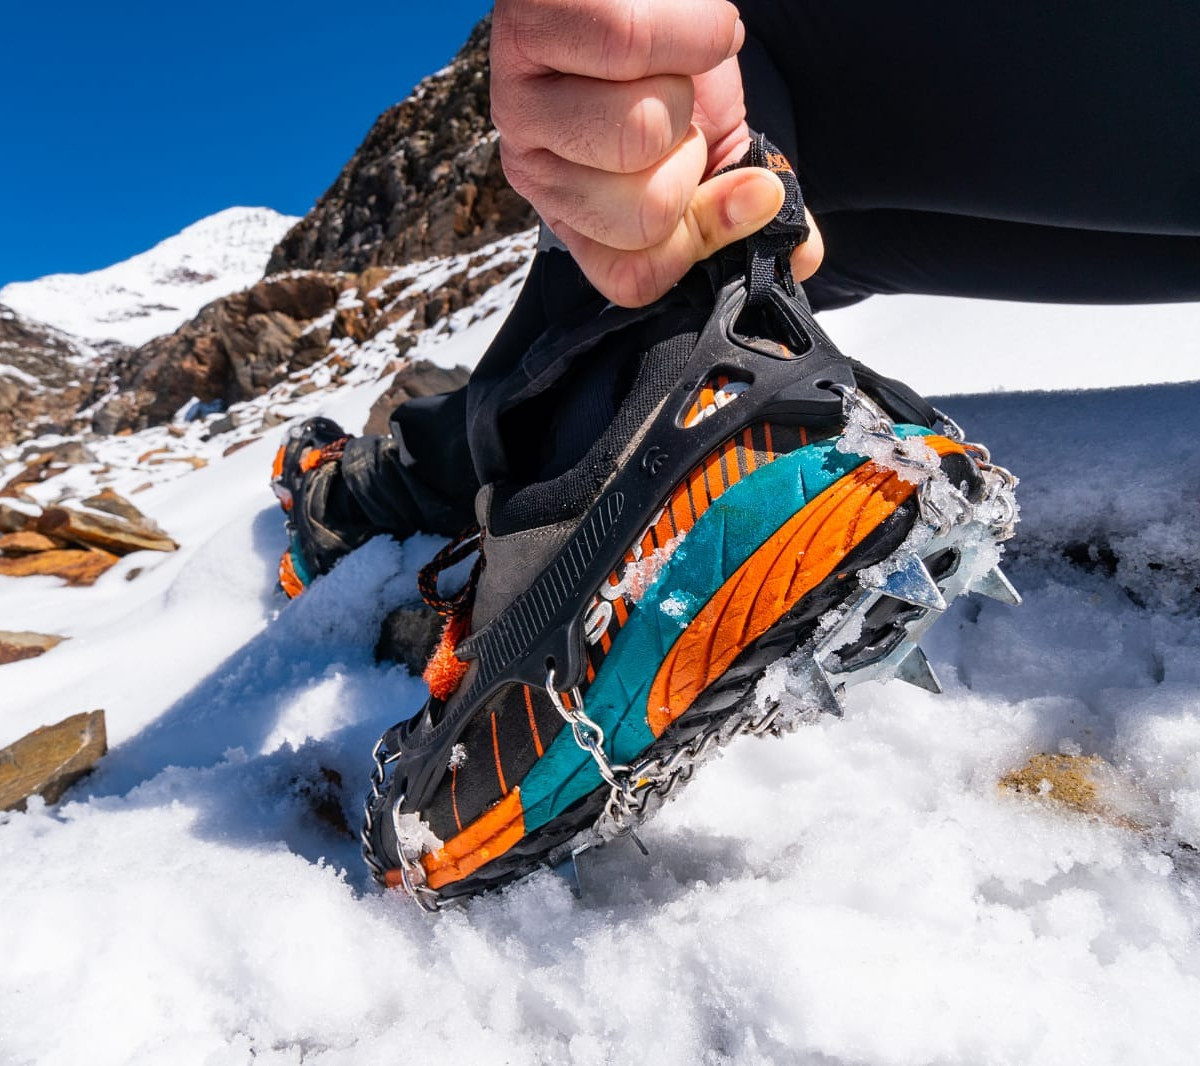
(309, 447)
(755, 493)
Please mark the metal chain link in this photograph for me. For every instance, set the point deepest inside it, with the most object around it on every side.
(412, 875)
(651, 782)
(633, 789)
(588, 735)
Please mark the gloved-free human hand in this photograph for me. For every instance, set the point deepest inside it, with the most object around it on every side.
(614, 118)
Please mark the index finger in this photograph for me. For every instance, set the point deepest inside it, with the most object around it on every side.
(617, 40)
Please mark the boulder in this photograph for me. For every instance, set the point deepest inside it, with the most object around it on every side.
(408, 636)
(418, 378)
(15, 646)
(112, 502)
(49, 760)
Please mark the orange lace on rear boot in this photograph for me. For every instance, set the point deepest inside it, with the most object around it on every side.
(444, 671)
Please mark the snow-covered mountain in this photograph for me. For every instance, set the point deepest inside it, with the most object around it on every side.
(158, 290)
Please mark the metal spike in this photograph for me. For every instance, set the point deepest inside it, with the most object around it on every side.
(821, 688)
(568, 869)
(995, 585)
(915, 669)
(912, 583)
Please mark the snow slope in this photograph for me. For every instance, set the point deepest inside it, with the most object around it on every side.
(157, 291)
(859, 892)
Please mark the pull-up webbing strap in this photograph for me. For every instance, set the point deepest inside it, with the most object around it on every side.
(768, 252)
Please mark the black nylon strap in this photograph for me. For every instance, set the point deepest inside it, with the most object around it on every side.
(768, 252)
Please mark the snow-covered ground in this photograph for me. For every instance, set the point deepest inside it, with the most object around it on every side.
(158, 290)
(862, 891)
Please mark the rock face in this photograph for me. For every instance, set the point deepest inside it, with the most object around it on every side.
(242, 345)
(235, 349)
(426, 181)
(51, 759)
(44, 377)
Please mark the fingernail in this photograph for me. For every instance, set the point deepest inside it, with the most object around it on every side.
(754, 200)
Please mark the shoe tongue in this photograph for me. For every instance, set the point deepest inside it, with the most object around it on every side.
(768, 252)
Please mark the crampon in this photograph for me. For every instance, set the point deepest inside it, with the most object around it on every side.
(757, 495)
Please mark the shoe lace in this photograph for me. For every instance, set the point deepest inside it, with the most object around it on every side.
(315, 457)
(445, 670)
(467, 543)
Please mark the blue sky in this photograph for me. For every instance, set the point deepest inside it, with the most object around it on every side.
(124, 122)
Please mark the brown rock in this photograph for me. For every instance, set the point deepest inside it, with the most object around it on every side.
(112, 502)
(196, 462)
(15, 646)
(75, 567)
(418, 378)
(28, 541)
(49, 760)
(12, 520)
(54, 372)
(118, 535)
(1086, 784)
(408, 636)
(237, 446)
(35, 471)
(235, 349)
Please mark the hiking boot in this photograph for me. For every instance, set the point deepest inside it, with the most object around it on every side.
(754, 493)
(308, 447)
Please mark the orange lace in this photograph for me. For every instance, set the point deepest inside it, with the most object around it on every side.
(445, 671)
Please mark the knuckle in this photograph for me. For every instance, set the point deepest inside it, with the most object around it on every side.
(647, 131)
(521, 170)
(659, 212)
(632, 280)
(627, 43)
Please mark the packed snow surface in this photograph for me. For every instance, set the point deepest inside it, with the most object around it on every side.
(861, 891)
(156, 291)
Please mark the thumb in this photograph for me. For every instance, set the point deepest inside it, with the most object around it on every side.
(724, 209)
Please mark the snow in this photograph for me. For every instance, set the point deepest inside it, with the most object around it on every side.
(860, 891)
(943, 345)
(158, 290)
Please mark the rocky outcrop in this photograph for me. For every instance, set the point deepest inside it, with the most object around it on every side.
(242, 345)
(45, 376)
(50, 760)
(235, 349)
(426, 181)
